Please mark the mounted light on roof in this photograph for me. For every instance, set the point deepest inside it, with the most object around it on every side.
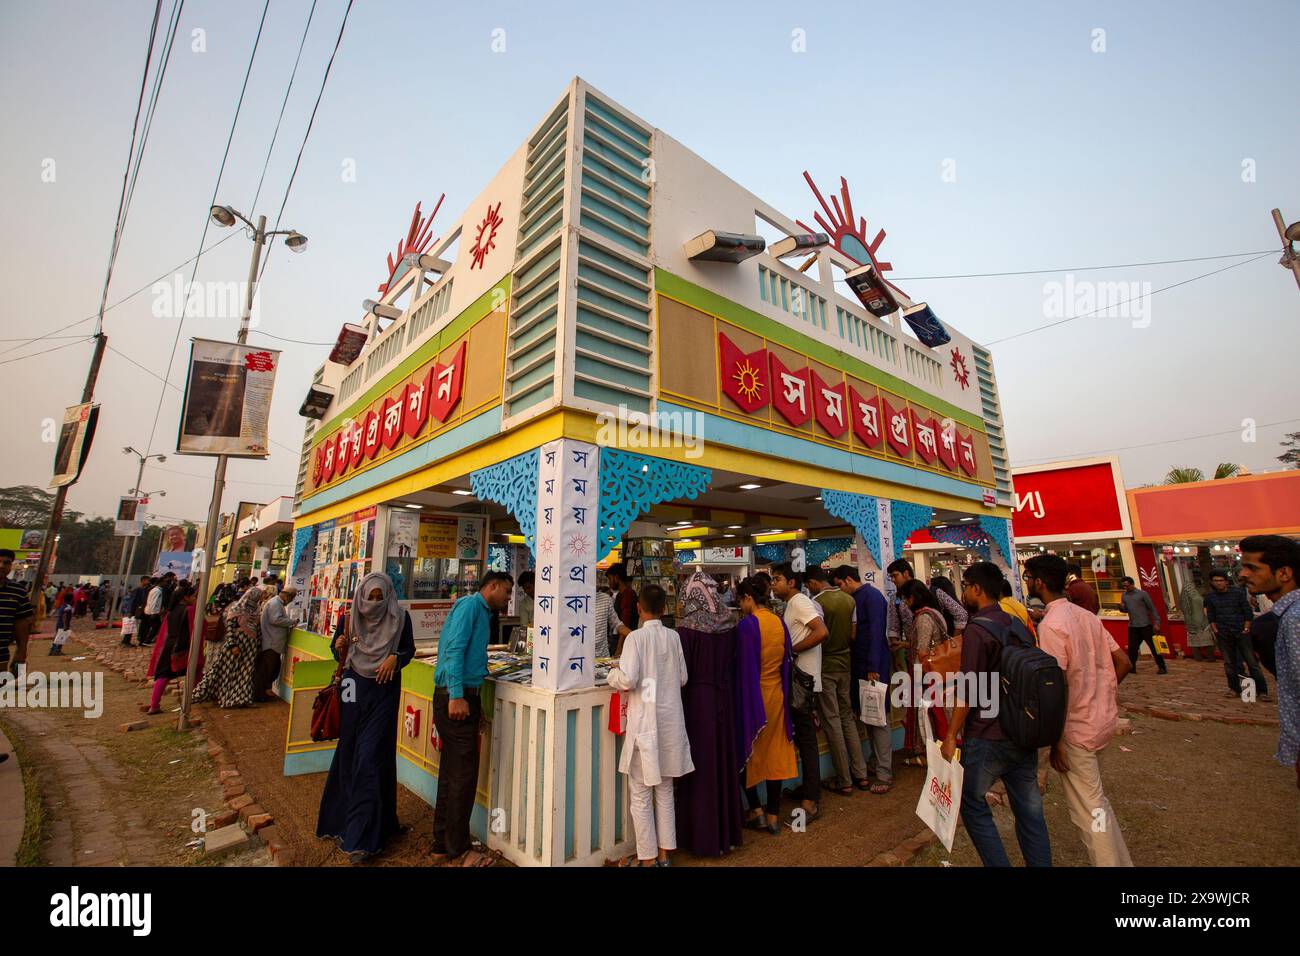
(383, 311)
(714, 246)
(317, 402)
(799, 245)
(425, 263)
(351, 340)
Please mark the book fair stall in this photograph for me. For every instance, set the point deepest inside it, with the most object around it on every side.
(548, 388)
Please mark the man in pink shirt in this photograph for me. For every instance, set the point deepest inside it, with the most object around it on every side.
(1094, 665)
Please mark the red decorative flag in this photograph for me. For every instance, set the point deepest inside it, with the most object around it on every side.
(415, 399)
(966, 454)
(829, 405)
(948, 446)
(925, 436)
(790, 392)
(371, 441)
(390, 425)
(865, 414)
(446, 382)
(897, 429)
(744, 377)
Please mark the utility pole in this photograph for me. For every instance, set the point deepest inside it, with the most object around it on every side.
(214, 507)
(1288, 235)
(123, 564)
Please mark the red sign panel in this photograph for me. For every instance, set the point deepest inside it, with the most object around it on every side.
(1078, 500)
(897, 428)
(744, 377)
(925, 437)
(790, 392)
(866, 418)
(828, 405)
(948, 447)
(966, 453)
(446, 382)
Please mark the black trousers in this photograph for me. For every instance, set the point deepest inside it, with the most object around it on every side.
(805, 741)
(773, 805)
(1136, 635)
(457, 772)
(150, 625)
(265, 670)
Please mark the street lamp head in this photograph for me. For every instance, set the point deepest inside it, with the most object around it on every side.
(295, 241)
(223, 216)
(161, 458)
(1293, 232)
(381, 310)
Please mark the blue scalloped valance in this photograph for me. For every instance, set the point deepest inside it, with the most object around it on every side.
(303, 538)
(999, 533)
(512, 484)
(963, 536)
(861, 511)
(817, 551)
(630, 484)
(907, 517)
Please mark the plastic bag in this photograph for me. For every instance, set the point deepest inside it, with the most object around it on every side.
(874, 704)
(940, 803)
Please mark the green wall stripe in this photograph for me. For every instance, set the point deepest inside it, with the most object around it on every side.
(457, 327)
(704, 299)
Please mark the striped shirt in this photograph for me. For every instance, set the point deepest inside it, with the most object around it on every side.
(14, 607)
(1287, 609)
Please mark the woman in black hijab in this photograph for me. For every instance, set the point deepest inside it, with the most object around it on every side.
(359, 806)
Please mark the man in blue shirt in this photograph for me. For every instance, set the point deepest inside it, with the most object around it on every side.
(870, 660)
(1270, 565)
(462, 667)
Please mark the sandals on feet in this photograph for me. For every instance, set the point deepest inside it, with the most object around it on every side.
(879, 787)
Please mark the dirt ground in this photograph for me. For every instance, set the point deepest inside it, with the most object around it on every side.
(112, 798)
(1188, 792)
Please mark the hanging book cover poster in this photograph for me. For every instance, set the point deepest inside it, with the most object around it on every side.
(74, 443)
(227, 400)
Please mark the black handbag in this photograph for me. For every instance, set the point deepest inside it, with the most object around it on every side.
(802, 691)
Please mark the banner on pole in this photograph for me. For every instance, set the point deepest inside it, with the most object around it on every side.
(127, 525)
(74, 443)
(227, 400)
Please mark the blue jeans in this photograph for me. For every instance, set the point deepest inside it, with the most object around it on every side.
(983, 762)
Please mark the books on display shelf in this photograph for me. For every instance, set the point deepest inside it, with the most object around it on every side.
(653, 561)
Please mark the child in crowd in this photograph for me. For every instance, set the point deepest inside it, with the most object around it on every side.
(651, 672)
(62, 628)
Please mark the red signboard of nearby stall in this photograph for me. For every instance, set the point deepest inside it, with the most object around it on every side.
(1083, 500)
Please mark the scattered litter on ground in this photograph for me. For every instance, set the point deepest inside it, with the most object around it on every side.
(1125, 750)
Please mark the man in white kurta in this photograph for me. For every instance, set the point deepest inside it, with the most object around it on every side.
(651, 673)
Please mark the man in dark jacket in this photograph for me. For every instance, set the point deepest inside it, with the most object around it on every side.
(1228, 611)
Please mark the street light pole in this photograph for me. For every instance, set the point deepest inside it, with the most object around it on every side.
(1288, 235)
(214, 507)
(123, 564)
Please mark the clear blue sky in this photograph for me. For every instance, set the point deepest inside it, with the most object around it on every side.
(1063, 157)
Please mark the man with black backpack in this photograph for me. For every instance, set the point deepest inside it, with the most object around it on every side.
(989, 752)
(1094, 665)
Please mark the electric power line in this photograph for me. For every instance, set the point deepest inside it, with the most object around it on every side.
(285, 102)
(1150, 444)
(122, 301)
(1118, 265)
(1115, 305)
(281, 338)
(79, 341)
(207, 221)
(310, 122)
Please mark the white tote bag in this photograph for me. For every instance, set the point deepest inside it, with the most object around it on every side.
(940, 802)
(873, 709)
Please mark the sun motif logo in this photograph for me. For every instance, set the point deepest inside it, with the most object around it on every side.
(847, 237)
(486, 236)
(547, 544)
(746, 376)
(417, 240)
(578, 546)
(959, 370)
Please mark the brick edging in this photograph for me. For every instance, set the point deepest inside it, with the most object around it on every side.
(1163, 714)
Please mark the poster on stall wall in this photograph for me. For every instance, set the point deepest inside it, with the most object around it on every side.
(178, 562)
(403, 533)
(428, 617)
(469, 539)
(437, 537)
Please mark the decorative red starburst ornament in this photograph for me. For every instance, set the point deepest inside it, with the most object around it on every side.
(417, 240)
(847, 237)
(578, 546)
(485, 238)
(959, 370)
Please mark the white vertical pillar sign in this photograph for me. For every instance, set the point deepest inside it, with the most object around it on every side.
(1012, 570)
(568, 496)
